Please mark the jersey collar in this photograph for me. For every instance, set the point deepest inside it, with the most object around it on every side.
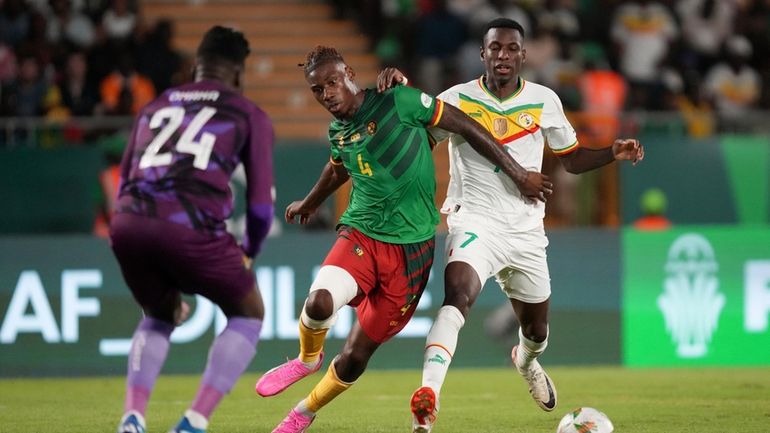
(519, 87)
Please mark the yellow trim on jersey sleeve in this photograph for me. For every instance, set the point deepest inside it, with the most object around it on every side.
(439, 111)
(569, 149)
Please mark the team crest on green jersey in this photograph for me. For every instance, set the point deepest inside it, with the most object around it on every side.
(371, 127)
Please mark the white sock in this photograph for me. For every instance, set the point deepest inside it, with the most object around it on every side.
(302, 408)
(528, 350)
(440, 346)
(196, 420)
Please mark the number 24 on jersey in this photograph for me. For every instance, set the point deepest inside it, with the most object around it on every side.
(186, 143)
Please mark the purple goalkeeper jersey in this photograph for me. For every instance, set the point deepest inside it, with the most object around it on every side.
(182, 152)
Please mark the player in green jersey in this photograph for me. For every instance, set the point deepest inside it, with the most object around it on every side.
(384, 251)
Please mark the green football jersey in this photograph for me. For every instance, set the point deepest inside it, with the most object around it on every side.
(386, 149)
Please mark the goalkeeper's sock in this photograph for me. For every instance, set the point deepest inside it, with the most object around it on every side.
(149, 347)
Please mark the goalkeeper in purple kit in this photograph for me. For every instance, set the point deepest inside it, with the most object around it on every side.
(168, 232)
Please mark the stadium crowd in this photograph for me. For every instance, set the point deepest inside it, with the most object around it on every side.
(704, 58)
(62, 58)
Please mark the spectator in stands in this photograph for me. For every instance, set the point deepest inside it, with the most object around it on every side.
(25, 96)
(14, 21)
(706, 24)
(66, 25)
(485, 11)
(653, 205)
(643, 30)
(561, 16)
(119, 21)
(125, 85)
(694, 106)
(439, 35)
(543, 48)
(8, 66)
(733, 85)
(78, 96)
(753, 20)
(37, 45)
(101, 58)
(603, 96)
(158, 60)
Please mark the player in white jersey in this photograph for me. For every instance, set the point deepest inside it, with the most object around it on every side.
(493, 229)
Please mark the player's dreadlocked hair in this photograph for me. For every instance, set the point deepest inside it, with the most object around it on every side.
(319, 56)
(222, 43)
(505, 23)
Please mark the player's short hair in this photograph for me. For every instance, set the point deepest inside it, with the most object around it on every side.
(320, 55)
(505, 23)
(223, 43)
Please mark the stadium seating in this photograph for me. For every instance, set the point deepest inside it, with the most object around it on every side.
(280, 34)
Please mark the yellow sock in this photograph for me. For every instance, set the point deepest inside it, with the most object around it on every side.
(326, 390)
(311, 342)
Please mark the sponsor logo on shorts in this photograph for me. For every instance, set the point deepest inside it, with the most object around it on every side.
(359, 252)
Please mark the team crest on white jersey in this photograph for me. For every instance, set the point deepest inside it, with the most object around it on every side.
(525, 120)
(500, 125)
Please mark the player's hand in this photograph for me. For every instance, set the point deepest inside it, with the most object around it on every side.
(629, 149)
(298, 208)
(390, 77)
(536, 186)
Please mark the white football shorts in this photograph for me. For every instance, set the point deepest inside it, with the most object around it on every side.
(516, 259)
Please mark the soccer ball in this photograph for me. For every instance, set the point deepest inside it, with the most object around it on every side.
(585, 420)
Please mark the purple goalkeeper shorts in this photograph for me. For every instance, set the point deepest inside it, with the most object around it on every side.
(157, 257)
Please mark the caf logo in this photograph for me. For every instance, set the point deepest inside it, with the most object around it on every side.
(371, 127)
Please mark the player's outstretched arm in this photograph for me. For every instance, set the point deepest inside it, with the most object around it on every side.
(332, 177)
(582, 159)
(532, 184)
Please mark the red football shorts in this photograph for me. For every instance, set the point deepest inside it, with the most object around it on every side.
(392, 277)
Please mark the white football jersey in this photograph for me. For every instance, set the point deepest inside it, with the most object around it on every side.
(522, 123)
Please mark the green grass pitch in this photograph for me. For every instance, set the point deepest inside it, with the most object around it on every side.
(717, 400)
